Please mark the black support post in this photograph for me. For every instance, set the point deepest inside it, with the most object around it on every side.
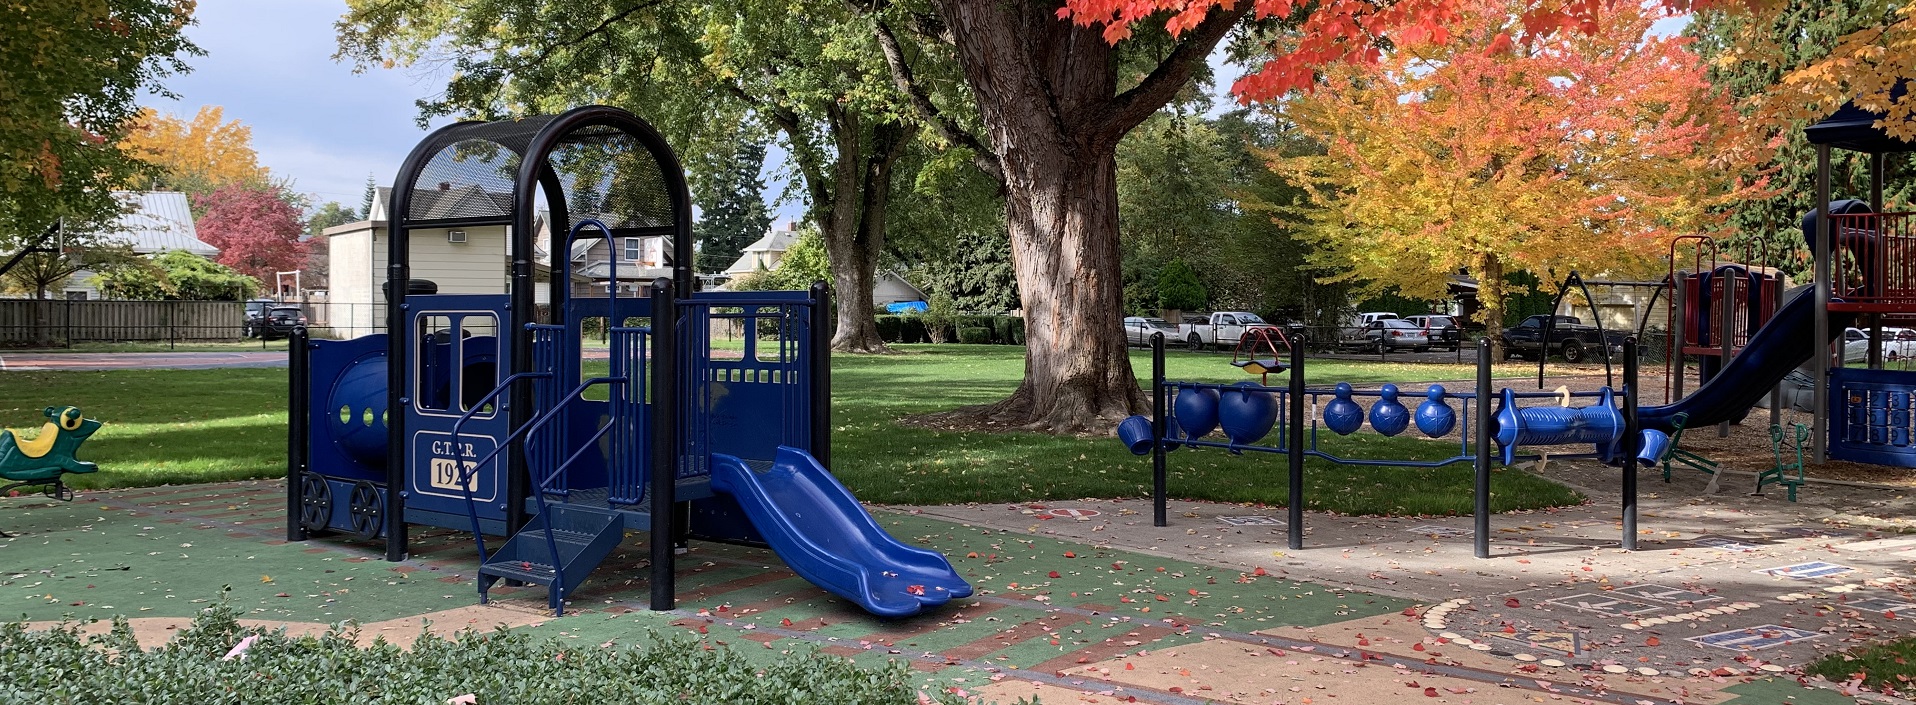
(665, 442)
(1294, 445)
(820, 359)
(1480, 513)
(1158, 425)
(1632, 443)
(299, 381)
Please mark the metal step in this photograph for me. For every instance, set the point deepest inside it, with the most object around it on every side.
(582, 537)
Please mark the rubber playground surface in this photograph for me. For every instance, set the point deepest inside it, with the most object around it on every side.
(1061, 612)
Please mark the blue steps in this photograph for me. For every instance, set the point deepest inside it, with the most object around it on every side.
(584, 536)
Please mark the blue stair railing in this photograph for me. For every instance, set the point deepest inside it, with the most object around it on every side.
(591, 533)
(467, 472)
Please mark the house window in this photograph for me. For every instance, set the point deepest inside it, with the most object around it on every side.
(631, 248)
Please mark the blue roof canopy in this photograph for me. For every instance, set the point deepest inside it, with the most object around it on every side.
(1855, 129)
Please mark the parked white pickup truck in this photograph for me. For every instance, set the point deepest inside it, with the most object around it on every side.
(1222, 329)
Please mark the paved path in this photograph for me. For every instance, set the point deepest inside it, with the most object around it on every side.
(1090, 606)
(23, 361)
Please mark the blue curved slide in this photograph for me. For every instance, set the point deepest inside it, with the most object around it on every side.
(822, 532)
(1784, 343)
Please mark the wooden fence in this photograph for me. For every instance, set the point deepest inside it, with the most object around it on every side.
(63, 322)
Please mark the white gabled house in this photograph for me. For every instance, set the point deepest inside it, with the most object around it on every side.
(155, 223)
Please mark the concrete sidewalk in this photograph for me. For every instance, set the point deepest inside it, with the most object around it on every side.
(1091, 605)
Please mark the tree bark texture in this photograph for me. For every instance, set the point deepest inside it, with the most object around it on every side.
(849, 189)
(1047, 94)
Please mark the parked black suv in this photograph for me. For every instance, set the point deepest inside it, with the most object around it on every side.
(276, 322)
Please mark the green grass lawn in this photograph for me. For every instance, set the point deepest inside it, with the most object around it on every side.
(1891, 665)
(181, 426)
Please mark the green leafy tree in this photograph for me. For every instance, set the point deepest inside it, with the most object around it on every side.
(732, 212)
(178, 275)
(808, 70)
(70, 73)
(329, 214)
(975, 274)
(1179, 289)
(1804, 32)
(39, 273)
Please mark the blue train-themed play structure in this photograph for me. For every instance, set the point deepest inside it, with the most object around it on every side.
(476, 412)
(1489, 427)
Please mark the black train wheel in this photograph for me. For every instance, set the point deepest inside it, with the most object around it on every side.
(315, 502)
(368, 511)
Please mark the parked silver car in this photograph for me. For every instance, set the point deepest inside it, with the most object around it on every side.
(1394, 334)
(1138, 330)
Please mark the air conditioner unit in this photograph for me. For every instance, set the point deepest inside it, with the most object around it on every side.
(455, 236)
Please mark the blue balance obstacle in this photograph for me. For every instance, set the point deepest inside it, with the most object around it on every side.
(1434, 417)
(1247, 412)
(476, 412)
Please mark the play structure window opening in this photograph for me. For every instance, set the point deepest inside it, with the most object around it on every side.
(458, 356)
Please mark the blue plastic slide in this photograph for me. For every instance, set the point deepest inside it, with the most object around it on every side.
(1779, 347)
(821, 531)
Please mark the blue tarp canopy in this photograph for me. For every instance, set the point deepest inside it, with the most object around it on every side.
(1855, 129)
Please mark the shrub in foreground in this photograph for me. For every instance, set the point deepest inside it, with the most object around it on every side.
(62, 665)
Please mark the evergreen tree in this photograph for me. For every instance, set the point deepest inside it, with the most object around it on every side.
(1806, 31)
(732, 211)
(366, 202)
(976, 274)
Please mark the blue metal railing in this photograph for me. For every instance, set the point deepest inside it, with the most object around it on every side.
(466, 473)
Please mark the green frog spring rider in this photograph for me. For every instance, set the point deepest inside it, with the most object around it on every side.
(44, 459)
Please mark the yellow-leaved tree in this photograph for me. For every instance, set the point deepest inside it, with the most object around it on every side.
(197, 155)
(1577, 151)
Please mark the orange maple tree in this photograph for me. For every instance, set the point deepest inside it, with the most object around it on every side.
(1581, 151)
(1356, 31)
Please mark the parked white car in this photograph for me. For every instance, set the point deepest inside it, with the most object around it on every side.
(1222, 329)
(1138, 330)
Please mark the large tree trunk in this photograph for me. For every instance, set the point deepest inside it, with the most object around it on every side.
(1047, 94)
(849, 197)
(1491, 292)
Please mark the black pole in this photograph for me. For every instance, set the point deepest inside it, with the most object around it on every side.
(298, 379)
(1480, 513)
(665, 441)
(821, 371)
(1157, 431)
(1294, 446)
(1632, 443)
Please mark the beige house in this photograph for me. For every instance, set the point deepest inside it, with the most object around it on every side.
(764, 255)
(639, 261)
(466, 260)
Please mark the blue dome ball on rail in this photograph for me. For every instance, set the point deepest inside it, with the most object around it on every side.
(1196, 411)
(1246, 412)
(1342, 415)
(1388, 416)
(1434, 417)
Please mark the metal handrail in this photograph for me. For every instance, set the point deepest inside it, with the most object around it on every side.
(539, 494)
(465, 475)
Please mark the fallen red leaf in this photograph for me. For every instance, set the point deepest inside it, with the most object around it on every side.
(1259, 571)
(1053, 574)
(1512, 603)
(1417, 647)
(1193, 592)
(785, 622)
(1652, 641)
(1069, 554)
(1430, 692)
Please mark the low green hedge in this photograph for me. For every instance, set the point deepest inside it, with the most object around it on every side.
(64, 666)
(974, 336)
